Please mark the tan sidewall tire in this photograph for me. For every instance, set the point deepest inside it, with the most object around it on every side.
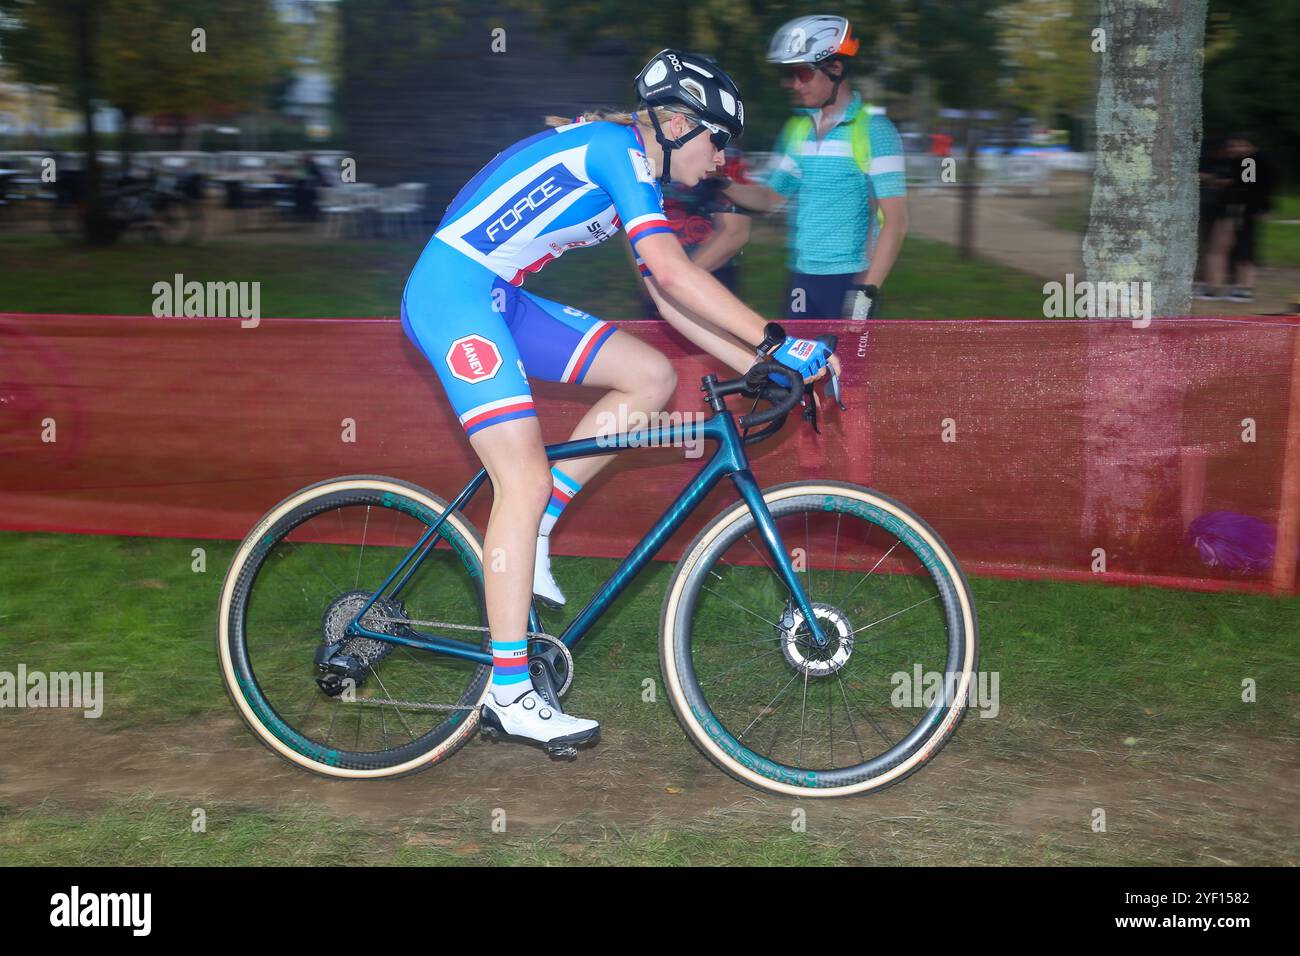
(459, 737)
(672, 605)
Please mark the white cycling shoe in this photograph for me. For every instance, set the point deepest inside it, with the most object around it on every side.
(532, 718)
(544, 586)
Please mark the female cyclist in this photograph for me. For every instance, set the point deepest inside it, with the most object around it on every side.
(572, 185)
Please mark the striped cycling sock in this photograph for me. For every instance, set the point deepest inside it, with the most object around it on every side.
(510, 679)
(562, 492)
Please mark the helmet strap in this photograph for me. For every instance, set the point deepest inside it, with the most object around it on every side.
(835, 83)
(668, 145)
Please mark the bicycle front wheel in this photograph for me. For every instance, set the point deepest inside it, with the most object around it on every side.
(869, 707)
(303, 573)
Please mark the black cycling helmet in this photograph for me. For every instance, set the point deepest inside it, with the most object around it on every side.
(694, 84)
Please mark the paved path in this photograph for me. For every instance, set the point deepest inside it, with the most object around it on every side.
(1010, 231)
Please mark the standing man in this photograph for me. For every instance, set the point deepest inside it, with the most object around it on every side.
(845, 166)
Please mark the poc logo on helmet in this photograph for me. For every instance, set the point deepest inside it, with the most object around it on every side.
(677, 65)
(473, 358)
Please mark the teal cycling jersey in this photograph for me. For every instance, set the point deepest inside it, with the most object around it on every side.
(832, 223)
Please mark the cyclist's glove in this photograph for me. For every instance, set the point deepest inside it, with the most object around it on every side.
(861, 302)
(805, 356)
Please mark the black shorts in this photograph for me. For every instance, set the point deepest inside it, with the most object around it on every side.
(1243, 250)
(822, 298)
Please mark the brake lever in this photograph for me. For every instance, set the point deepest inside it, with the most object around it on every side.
(810, 408)
(833, 387)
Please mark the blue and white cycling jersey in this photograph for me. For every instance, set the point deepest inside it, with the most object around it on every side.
(463, 307)
(563, 188)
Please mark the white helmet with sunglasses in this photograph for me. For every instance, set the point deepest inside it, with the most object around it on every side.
(812, 43)
(812, 40)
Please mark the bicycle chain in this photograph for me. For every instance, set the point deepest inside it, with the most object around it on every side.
(454, 627)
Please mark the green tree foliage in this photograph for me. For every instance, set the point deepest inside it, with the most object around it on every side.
(145, 61)
(1252, 74)
(1048, 47)
(956, 43)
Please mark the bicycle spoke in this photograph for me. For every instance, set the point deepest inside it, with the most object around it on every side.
(848, 712)
(872, 571)
(894, 615)
(803, 716)
(411, 735)
(769, 705)
(740, 665)
(365, 530)
(745, 609)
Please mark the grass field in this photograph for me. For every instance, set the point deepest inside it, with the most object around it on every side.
(1278, 241)
(366, 278)
(1145, 682)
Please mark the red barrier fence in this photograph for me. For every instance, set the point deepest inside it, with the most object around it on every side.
(1065, 449)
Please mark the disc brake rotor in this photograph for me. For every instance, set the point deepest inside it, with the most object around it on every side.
(797, 646)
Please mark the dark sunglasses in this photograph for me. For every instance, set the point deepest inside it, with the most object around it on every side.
(718, 136)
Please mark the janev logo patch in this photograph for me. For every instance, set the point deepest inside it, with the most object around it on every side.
(522, 208)
(473, 358)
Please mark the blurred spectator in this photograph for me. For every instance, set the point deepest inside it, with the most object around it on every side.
(1240, 193)
(307, 184)
(851, 217)
(1213, 178)
(709, 226)
(940, 144)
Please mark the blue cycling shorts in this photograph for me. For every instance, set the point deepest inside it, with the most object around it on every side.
(484, 337)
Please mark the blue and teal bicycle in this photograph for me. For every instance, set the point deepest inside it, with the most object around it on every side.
(353, 638)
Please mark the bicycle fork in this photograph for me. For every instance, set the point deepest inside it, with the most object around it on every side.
(752, 495)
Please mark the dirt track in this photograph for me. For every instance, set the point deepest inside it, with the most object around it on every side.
(1234, 801)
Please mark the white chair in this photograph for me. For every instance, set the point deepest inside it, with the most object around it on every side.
(402, 205)
(340, 206)
(349, 204)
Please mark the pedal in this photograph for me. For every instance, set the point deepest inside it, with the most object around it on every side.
(489, 728)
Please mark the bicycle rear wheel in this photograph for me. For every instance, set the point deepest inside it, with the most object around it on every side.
(862, 712)
(296, 581)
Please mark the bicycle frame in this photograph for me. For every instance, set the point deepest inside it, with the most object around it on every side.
(728, 460)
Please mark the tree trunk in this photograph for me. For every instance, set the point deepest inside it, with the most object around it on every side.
(1142, 229)
(128, 144)
(98, 228)
(969, 187)
(1144, 198)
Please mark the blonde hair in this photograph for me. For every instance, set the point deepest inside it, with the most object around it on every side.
(639, 118)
